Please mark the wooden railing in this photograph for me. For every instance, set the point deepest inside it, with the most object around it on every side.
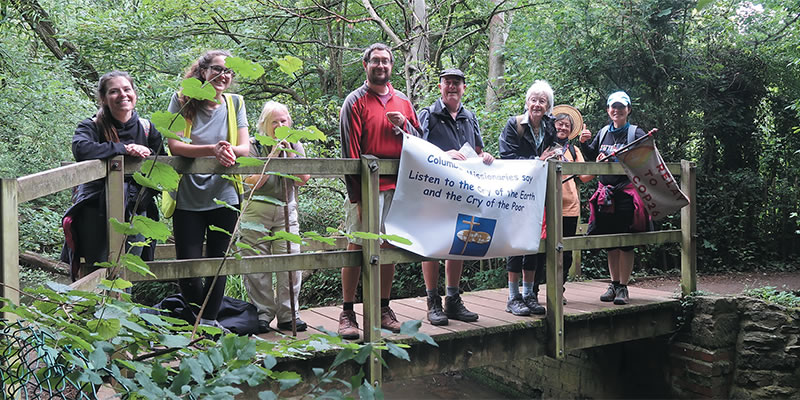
(16, 191)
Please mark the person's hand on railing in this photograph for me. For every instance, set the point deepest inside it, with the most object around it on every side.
(223, 151)
(137, 150)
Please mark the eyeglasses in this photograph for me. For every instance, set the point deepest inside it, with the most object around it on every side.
(378, 61)
(219, 70)
(537, 100)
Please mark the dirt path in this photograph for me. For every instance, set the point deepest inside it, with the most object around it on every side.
(732, 283)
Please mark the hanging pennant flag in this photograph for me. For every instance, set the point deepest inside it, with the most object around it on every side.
(654, 183)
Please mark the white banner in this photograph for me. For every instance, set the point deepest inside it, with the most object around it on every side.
(466, 210)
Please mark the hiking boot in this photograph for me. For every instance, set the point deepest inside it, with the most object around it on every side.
(389, 320)
(348, 327)
(435, 313)
(610, 293)
(517, 306)
(622, 296)
(287, 326)
(533, 304)
(454, 308)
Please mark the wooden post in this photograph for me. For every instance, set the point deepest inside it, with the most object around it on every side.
(115, 207)
(9, 243)
(371, 262)
(555, 262)
(689, 230)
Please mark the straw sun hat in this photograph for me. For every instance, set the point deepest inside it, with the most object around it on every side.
(577, 118)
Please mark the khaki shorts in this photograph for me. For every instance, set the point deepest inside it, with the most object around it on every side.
(353, 224)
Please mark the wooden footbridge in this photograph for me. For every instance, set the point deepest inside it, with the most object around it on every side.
(497, 336)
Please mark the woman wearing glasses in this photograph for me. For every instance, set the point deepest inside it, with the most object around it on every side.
(528, 136)
(216, 128)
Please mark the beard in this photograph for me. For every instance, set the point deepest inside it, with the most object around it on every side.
(378, 80)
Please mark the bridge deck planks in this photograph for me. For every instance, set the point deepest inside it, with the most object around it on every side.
(583, 298)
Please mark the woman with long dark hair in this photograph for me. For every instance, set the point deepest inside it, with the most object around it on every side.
(217, 129)
(115, 129)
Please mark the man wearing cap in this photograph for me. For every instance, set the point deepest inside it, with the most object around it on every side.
(448, 125)
(372, 120)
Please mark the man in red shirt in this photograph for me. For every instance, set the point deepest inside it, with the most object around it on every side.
(372, 121)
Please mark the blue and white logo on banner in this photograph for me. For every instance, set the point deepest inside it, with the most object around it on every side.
(473, 235)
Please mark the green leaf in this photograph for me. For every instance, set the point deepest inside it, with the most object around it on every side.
(192, 87)
(249, 162)
(282, 132)
(153, 319)
(159, 373)
(316, 236)
(398, 352)
(218, 229)
(282, 175)
(98, 358)
(395, 238)
(366, 391)
(701, 4)
(167, 123)
(245, 246)
(287, 379)
(122, 227)
(664, 12)
(118, 283)
(244, 68)
(174, 341)
(105, 328)
(366, 235)
(266, 140)
(151, 229)
(58, 287)
(270, 362)
(343, 356)
(363, 353)
(269, 199)
(283, 235)
(163, 175)
(410, 327)
(225, 204)
(253, 226)
(135, 264)
(289, 64)
(267, 396)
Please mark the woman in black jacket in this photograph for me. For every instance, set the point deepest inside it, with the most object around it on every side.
(115, 129)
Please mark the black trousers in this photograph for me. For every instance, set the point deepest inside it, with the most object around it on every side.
(191, 230)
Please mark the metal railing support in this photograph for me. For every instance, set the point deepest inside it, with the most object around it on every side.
(555, 261)
(689, 229)
(9, 242)
(371, 262)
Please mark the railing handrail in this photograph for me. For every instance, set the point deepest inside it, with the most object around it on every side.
(15, 191)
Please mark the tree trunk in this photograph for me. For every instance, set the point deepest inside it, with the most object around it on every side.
(498, 33)
(84, 73)
(419, 54)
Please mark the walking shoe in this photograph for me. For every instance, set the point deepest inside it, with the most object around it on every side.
(517, 306)
(287, 326)
(435, 313)
(263, 326)
(389, 320)
(610, 293)
(533, 304)
(622, 295)
(348, 327)
(454, 308)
